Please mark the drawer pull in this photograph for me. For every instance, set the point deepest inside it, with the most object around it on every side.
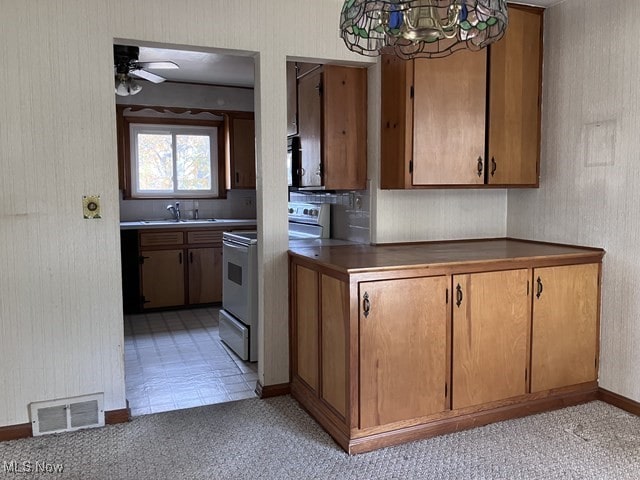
(494, 165)
(366, 304)
(480, 166)
(458, 295)
(180, 258)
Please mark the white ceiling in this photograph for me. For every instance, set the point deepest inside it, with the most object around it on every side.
(202, 67)
(224, 69)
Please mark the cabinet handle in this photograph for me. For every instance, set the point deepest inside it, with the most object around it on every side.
(141, 259)
(366, 304)
(540, 288)
(319, 170)
(301, 172)
(458, 295)
(237, 177)
(180, 258)
(190, 257)
(480, 166)
(494, 165)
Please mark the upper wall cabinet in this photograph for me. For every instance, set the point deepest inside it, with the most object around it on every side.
(469, 119)
(332, 125)
(241, 151)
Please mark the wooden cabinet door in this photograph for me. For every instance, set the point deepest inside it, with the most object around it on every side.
(162, 278)
(514, 101)
(335, 319)
(403, 349)
(310, 128)
(564, 345)
(306, 326)
(205, 275)
(344, 128)
(243, 152)
(449, 109)
(491, 314)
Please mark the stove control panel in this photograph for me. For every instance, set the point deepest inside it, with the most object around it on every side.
(311, 213)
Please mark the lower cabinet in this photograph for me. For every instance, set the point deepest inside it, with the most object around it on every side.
(403, 349)
(491, 321)
(386, 356)
(162, 278)
(564, 346)
(179, 268)
(205, 275)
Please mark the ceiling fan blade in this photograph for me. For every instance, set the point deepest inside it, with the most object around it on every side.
(152, 77)
(167, 65)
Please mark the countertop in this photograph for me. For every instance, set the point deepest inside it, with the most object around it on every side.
(202, 223)
(368, 258)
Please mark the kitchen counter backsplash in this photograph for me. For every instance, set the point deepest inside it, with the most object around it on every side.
(238, 204)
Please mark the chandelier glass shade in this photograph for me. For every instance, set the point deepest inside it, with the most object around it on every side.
(125, 85)
(421, 28)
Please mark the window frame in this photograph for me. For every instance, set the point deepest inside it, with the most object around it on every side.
(129, 191)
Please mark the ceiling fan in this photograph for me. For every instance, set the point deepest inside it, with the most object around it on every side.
(127, 66)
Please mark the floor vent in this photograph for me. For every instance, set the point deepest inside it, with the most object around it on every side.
(67, 414)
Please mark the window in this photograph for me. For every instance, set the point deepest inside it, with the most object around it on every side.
(169, 153)
(173, 160)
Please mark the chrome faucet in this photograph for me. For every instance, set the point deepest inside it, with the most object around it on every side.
(175, 211)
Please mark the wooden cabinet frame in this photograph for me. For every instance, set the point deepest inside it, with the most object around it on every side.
(189, 243)
(332, 125)
(240, 158)
(347, 429)
(481, 129)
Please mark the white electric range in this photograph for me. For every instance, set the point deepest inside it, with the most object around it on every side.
(310, 225)
(238, 319)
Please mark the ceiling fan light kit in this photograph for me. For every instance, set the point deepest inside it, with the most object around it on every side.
(421, 28)
(125, 85)
(127, 66)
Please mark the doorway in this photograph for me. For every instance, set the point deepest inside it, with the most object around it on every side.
(174, 357)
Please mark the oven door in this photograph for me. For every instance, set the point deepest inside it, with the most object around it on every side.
(236, 294)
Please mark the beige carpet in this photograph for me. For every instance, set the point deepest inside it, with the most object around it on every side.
(275, 439)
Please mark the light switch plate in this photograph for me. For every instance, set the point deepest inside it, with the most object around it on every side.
(91, 206)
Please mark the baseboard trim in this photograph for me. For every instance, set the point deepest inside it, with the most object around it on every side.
(14, 432)
(112, 417)
(619, 401)
(267, 391)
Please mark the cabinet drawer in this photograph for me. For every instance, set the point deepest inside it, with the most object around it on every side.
(204, 236)
(161, 238)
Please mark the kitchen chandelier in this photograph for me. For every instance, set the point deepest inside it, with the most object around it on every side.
(125, 85)
(421, 28)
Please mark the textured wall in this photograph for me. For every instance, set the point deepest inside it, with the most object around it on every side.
(61, 327)
(589, 166)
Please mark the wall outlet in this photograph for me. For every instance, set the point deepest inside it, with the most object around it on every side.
(248, 202)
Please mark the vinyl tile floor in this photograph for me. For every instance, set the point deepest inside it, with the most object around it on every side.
(176, 360)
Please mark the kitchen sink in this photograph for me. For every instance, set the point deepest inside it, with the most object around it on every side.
(174, 222)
